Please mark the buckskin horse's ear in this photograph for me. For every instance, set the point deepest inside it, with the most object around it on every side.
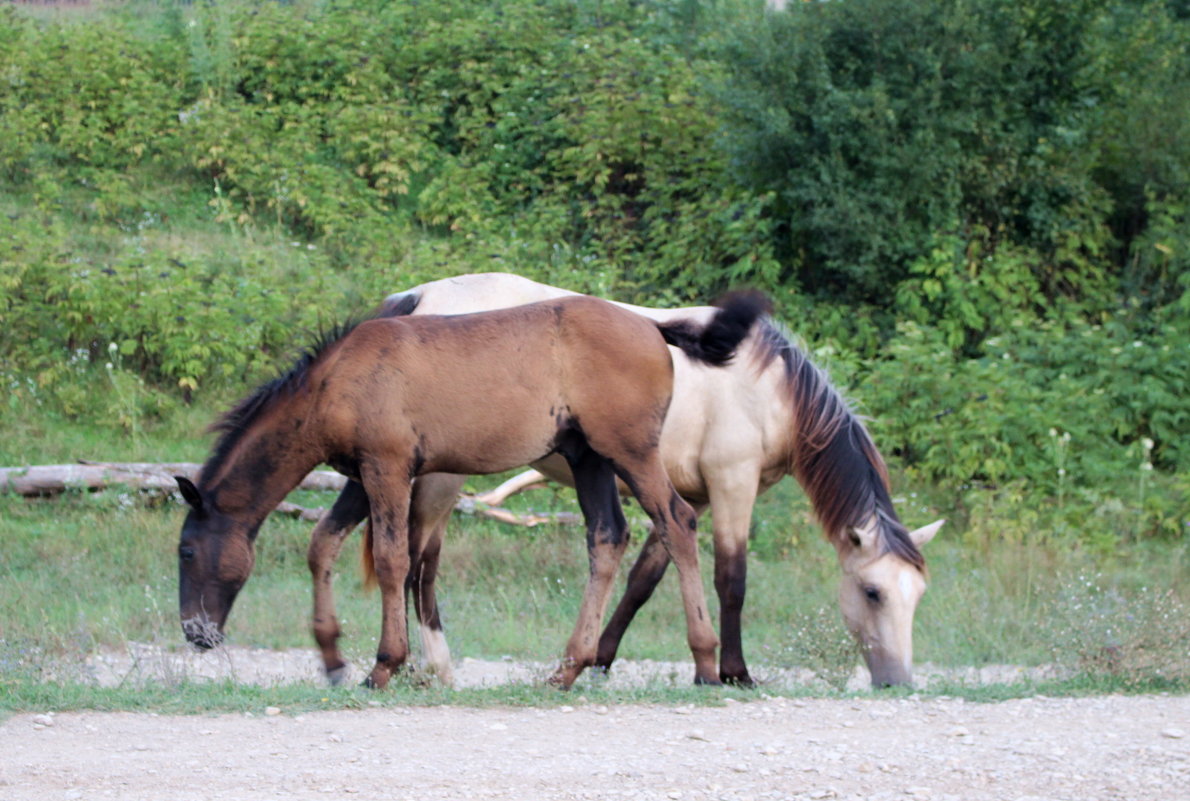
(190, 493)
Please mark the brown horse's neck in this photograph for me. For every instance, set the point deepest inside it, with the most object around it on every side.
(253, 474)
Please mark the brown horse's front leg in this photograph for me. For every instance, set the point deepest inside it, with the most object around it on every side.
(326, 541)
(390, 556)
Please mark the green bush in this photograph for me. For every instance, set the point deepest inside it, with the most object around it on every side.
(1048, 413)
(83, 98)
(884, 129)
(972, 208)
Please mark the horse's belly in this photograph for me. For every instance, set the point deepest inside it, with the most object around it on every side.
(488, 451)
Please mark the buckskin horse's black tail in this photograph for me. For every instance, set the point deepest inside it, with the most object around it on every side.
(716, 342)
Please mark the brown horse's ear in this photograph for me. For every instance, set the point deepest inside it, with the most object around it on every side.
(190, 493)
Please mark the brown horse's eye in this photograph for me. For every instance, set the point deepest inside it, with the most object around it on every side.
(873, 595)
(186, 553)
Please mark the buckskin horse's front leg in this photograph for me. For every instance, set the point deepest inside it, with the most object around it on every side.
(390, 557)
(432, 503)
(326, 541)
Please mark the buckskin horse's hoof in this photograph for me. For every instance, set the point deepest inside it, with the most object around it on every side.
(744, 682)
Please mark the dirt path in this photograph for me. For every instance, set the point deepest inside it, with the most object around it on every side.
(1090, 749)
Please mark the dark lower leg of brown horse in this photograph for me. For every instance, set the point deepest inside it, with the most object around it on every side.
(731, 572)
(674, 522)
(607, 538)
(644, 577)
(326, 541)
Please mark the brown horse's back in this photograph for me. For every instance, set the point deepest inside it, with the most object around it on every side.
(485, 393)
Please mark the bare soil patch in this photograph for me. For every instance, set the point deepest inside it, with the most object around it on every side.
(1114, 747)
(1038, 748)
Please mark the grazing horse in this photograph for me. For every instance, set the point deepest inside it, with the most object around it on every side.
(395, 397)
(730, 435)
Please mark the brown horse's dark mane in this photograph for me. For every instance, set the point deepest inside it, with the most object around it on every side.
(832, 455)
(235, 422)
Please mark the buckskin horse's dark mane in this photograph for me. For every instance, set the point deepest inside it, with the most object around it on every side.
(833, 457)
(235, 421)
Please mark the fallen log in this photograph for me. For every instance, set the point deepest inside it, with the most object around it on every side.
(42, 481)
(53, 479)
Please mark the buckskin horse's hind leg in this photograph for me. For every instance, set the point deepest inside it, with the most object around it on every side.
(607, 538)
(434, 496)
(326, 541)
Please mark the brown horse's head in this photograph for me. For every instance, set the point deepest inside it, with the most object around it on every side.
(878, 597)
(215, 558)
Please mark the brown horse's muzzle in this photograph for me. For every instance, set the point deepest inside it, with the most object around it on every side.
(202, 632)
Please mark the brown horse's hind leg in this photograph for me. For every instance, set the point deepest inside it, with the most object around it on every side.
(644, 577)
(607, 538)
(433, 501)
(325, 543)
(674, 522)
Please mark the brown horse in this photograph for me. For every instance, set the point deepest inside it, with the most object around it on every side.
(730, 434)
(397, 397)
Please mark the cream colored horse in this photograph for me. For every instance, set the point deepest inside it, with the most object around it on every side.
(730, 434)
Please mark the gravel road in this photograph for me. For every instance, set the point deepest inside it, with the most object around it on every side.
(1131, 748)
(1089, 749)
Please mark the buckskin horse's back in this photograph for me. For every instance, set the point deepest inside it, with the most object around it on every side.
(488, 392)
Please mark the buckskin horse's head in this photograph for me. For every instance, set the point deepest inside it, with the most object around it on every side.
(215, 558)
(878, 596)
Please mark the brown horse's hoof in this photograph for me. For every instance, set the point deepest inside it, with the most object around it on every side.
(699, 681)
(376, 680)
(337, 676)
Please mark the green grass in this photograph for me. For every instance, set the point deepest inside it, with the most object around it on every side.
(90, 571)
(85, 572)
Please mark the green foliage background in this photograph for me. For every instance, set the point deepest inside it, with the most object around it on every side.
(974, 211)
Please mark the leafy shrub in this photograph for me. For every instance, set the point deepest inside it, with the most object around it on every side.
(175, 322)
(83, 97)
(1049, 409)
(880, 127)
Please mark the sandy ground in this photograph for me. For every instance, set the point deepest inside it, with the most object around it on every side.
(1089, 749)
(1040, 748)
(140, 662)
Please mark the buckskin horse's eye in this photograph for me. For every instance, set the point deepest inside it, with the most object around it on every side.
(186, 553)
(872, 594)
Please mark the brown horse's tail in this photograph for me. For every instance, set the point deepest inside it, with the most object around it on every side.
(367, 562)
(716, 342)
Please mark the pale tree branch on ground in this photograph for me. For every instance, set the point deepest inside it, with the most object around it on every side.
(149, 477)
